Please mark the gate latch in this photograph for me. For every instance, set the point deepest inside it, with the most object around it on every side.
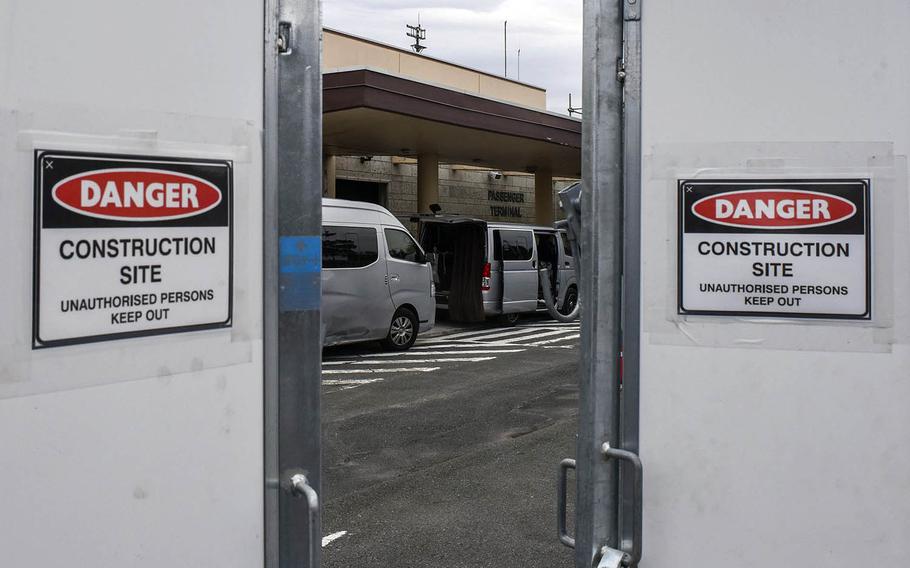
(284, 38)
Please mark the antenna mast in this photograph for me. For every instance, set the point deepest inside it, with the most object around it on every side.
(418, 33)
(505, 48)
(573, 110)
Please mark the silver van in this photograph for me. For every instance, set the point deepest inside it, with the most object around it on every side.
(376, 282)
(484, 269)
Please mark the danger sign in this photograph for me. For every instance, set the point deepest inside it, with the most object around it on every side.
(128, 246)
(782, 248)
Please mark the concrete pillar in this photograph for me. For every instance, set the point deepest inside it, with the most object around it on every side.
(543, 197)
(328, 176)
(427, 182)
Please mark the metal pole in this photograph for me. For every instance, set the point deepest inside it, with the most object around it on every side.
(505, 48)
(291, 327)
(597, 507)
(630, 519)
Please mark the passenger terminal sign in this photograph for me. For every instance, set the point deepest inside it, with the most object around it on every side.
(777, 248)
(128, 246)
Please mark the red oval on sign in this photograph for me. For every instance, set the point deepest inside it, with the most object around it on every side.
(774, 209)
(136, 194)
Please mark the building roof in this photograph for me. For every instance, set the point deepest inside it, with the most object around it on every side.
(371, 112)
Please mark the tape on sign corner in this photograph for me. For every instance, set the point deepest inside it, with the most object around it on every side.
(299, 268)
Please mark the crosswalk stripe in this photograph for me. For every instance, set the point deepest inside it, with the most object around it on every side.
(501, 334)
(360, 371)
(539, 335)
(462, 348)
(462, 352)
(471, 333)
(344, 382)
(469, 341)
(409, 361)
(553, 324)
(557, 340)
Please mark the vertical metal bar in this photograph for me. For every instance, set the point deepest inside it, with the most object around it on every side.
(629, 521)
(292, 219)
(597, 506)
(270, 278)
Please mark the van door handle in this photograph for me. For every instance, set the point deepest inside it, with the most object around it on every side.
(393, 277)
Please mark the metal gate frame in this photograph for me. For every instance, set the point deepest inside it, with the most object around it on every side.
(292, 218)
(608, 505)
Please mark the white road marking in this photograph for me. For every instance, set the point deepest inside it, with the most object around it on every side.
(328, 539)
(409, 361)
(552, 324)
(422, 353)
(470, 333)
(398, 370)
(557, 346)
(539, 335)
(345, 382)
(500, 334)
(557, 340)
(441, 344)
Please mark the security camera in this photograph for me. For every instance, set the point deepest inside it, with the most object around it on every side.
(495, 175)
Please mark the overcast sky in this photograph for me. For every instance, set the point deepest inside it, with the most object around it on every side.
(469, 32)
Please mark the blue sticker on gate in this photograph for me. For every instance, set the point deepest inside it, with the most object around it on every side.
(299, 273)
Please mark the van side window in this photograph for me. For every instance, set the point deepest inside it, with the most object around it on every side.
(516, 245)
(349, 247)
(402, 246)
(566, 247)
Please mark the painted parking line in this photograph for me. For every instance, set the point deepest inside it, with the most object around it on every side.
(422, 353)
(408, 361)
(367, 371)
(392, 356)
(471, 333)
(329, 539)
(443, 344)
(539, 335)
(557, 340)
(348, 384)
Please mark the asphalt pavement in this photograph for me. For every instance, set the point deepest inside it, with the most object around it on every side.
(446, 455)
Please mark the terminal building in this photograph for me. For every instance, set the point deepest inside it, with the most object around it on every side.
(407, 131)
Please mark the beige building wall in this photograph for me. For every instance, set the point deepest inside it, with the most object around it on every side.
(343, 51)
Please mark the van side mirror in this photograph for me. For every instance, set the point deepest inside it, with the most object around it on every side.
(421, 257)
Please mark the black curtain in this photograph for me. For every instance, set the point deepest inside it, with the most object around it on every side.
(465, 300)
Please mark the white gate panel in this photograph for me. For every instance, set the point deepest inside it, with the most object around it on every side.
(143, 451)
(772, 443)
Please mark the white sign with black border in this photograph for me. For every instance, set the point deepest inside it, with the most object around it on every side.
(783, 248)
(128, 246)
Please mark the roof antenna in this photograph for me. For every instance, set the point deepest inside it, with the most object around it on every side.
(418, 33)
(573, 110)
(505, 49)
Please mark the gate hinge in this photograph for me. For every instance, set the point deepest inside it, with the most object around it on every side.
(631, 10)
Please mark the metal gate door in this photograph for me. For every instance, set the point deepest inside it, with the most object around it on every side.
(744, 420)
(608, 528)
(293, 193)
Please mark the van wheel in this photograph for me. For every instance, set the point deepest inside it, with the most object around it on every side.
(571, 300)
(402, 330)
(510, 319)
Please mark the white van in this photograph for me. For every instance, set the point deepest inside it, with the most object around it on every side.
(376, 282)
(484, 269)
